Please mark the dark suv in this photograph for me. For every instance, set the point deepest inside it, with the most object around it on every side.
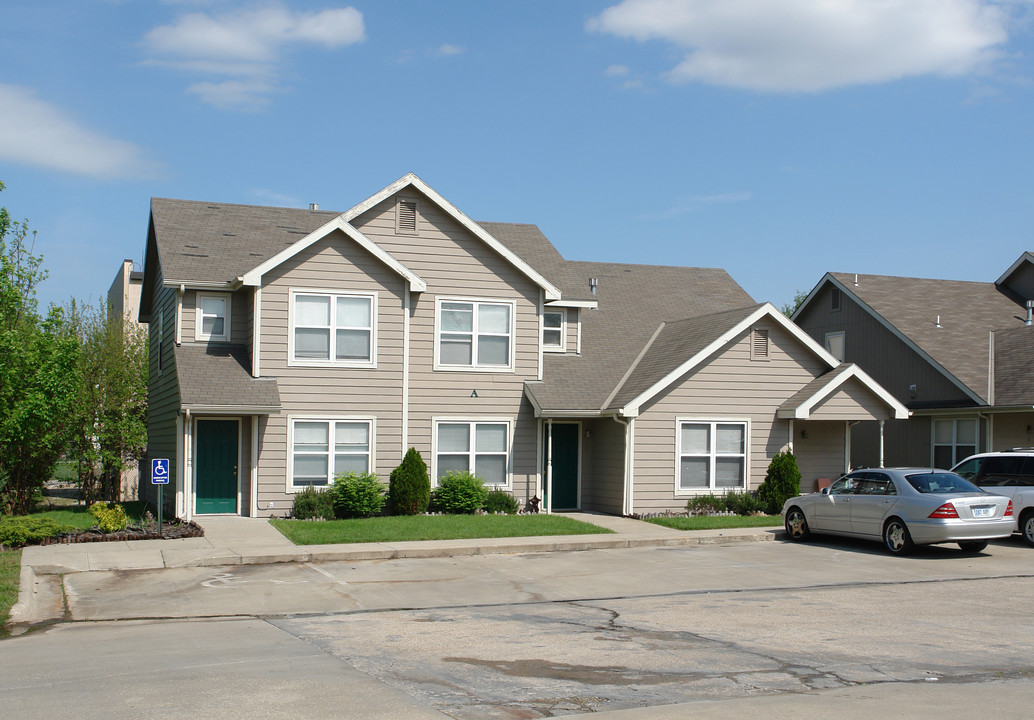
(1009, 473)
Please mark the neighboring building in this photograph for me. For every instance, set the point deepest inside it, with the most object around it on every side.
(958, 354)
(124, 301)
(290, 344)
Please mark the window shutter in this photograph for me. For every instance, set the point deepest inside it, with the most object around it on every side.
(759, 346)
(405, 216)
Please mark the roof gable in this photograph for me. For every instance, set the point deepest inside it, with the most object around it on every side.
(800, 405)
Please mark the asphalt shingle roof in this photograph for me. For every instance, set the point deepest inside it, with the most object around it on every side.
(968, 312)
(220, 376)
(1014, 376)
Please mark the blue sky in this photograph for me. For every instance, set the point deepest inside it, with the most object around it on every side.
(778, 139)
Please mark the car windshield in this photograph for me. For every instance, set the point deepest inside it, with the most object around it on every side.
(941, 482)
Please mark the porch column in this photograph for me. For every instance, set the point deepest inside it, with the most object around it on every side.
(881, 443)
(847, 446)
(549, 465)
(789, 444)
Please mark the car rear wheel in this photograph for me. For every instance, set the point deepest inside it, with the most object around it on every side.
(796, 525)
(897, 538)
(1027, 527)
(973, 547)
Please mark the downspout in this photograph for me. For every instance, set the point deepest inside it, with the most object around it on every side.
(179, 313)
(627, 501)
(406, 301)
(549, 466)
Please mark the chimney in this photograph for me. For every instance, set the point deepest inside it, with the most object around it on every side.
(593, 284)
(1030, 311)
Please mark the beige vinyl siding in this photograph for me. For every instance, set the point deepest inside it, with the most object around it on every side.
(456, 264)
(821, 453)
(603, 469)
(851, 401)
(729, 386)
(335, 264)
(572, 330)
(162, 399)
(1012, 430)
(878, 351)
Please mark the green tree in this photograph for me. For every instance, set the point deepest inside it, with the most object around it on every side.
(38, 374)
(782, 481)
(409, 487)
(798, 299)
(111, 409)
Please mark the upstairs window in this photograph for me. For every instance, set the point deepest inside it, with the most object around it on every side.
(332, 328)
(213, 317)
(475, 335)
(553, 327)
(835, 344)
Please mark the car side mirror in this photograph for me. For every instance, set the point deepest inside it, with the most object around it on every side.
(825, 491)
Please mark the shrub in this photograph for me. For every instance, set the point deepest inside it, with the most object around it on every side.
(312, 503)
(705, 504)
(500, 501)
(782, 481)
(357, 495)
(743, 503)
(460, 493)
(29, 529)
(409, 487)
(110, 518)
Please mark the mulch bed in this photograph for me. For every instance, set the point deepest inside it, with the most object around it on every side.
(170, 531)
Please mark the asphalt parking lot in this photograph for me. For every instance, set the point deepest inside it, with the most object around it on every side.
(535, 635)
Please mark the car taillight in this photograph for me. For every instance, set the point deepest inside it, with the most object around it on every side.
(947, 510)
(1008, 510)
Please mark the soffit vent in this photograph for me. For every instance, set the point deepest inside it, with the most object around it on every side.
(405, 216)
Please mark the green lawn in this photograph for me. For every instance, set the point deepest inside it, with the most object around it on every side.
(79, 517)
(718, 522)
(10, 569)
(429, 527)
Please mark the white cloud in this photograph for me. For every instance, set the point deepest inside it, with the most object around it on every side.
(247, 44)
(813, 45)
(617, 70)
(36, 133)
(447, 49)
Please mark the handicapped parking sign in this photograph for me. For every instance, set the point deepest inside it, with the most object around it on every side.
(160, 471)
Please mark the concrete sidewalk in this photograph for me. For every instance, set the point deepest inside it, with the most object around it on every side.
(233, 540)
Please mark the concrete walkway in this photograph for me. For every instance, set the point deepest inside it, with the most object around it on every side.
(233, 540)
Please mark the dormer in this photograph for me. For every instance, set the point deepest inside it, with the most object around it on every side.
(1018, 280)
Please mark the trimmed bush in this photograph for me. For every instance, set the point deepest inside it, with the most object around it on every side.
(500, 501)
(110, 518)
(705, 505)
(409, 487)
(782, 481)
(743, 503)
(459, 493)
(357, 495)
(29, 529)
(312, 503)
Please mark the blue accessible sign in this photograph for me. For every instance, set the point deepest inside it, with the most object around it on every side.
(159, 471)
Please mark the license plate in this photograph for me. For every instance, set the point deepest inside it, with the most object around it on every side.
(984, 511)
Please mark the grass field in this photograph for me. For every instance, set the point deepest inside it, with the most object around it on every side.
(10, 568)
(80, 518)
(429, 527)
(718, 522)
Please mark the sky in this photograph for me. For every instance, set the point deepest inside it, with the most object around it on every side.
(778, 139)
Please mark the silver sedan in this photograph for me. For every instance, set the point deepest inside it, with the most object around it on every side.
(902, 507)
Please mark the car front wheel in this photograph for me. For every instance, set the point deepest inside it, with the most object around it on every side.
(897, 538)
(1027, 527)
(796, 525)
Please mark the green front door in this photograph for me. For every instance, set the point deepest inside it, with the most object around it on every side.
(216, 466)
(565, 466)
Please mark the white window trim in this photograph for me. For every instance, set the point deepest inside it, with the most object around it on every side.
(199, 333)
(843, 336)
(474, 367)
(331, 362)
(686, 492)
(292, 419)
(509, 422)
(562, 347)
(954, 438)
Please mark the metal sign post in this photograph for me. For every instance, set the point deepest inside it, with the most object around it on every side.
(160, 477)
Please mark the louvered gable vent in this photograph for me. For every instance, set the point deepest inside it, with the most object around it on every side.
(759, 344)
(405, 216)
